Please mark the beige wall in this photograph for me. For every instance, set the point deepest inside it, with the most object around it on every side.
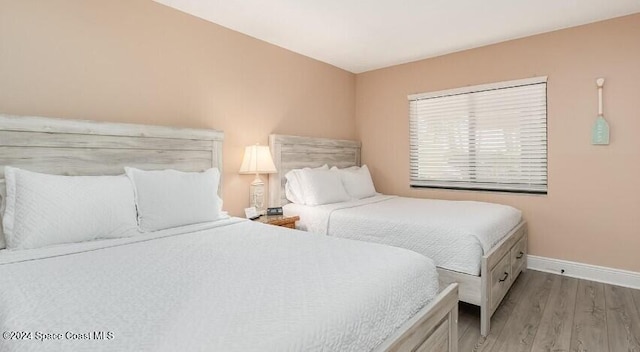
(138, 61)
(592, 211)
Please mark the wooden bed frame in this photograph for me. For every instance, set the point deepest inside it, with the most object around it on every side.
(499, 268)
(78, 147)
(433, 329)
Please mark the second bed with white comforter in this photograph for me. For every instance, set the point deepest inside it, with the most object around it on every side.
(455, 234)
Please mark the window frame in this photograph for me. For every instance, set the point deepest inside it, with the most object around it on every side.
(528, 188)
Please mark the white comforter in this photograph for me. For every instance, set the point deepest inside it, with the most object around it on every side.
(236, 286)
(455, 234)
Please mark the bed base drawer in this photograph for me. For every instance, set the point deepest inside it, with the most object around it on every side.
(519, 257)
(500, 277)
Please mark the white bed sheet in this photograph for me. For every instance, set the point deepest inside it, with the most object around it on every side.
(455, 234)
(232, 285)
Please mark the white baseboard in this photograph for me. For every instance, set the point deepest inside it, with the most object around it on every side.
(585, 271)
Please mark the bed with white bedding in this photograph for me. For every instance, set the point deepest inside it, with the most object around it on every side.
(95, 263)
(480, 246)
(455, 234)
(257, 287)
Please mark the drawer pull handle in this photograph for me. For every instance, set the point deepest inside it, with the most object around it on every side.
(506, 275)
(520, 255)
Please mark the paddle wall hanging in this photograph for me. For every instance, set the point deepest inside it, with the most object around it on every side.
(600, 130)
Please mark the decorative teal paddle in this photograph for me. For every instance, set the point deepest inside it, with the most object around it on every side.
(600, 130)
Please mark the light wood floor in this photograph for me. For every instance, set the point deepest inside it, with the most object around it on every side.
(547, 312)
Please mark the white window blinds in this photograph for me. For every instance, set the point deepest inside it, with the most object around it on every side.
(489, 137)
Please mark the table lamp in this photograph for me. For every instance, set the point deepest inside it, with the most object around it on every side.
(257, 160)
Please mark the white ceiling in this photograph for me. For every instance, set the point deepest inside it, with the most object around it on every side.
(361, 35)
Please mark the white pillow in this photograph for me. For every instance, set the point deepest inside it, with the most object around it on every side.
(293, 189)
(43, 209)
(171, 198)
(322, 187)
(2, 205)
(357, 181)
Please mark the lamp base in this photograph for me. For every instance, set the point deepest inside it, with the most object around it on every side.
(256, 194)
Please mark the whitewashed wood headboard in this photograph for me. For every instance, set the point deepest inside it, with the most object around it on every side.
(79, 147)
(295, 152)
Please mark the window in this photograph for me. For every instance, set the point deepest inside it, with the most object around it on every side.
(488, 137)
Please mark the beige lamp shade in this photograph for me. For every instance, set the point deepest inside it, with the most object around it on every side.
(257, 160)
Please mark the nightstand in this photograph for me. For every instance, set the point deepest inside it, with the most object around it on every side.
(279, 220)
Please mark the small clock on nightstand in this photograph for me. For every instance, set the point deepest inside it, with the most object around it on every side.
(279, 220)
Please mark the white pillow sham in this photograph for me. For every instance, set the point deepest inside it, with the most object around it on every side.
(322, 187)
(357, 181)
(293, 189)
(44, 210)
(3, 245)
(171, 198)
